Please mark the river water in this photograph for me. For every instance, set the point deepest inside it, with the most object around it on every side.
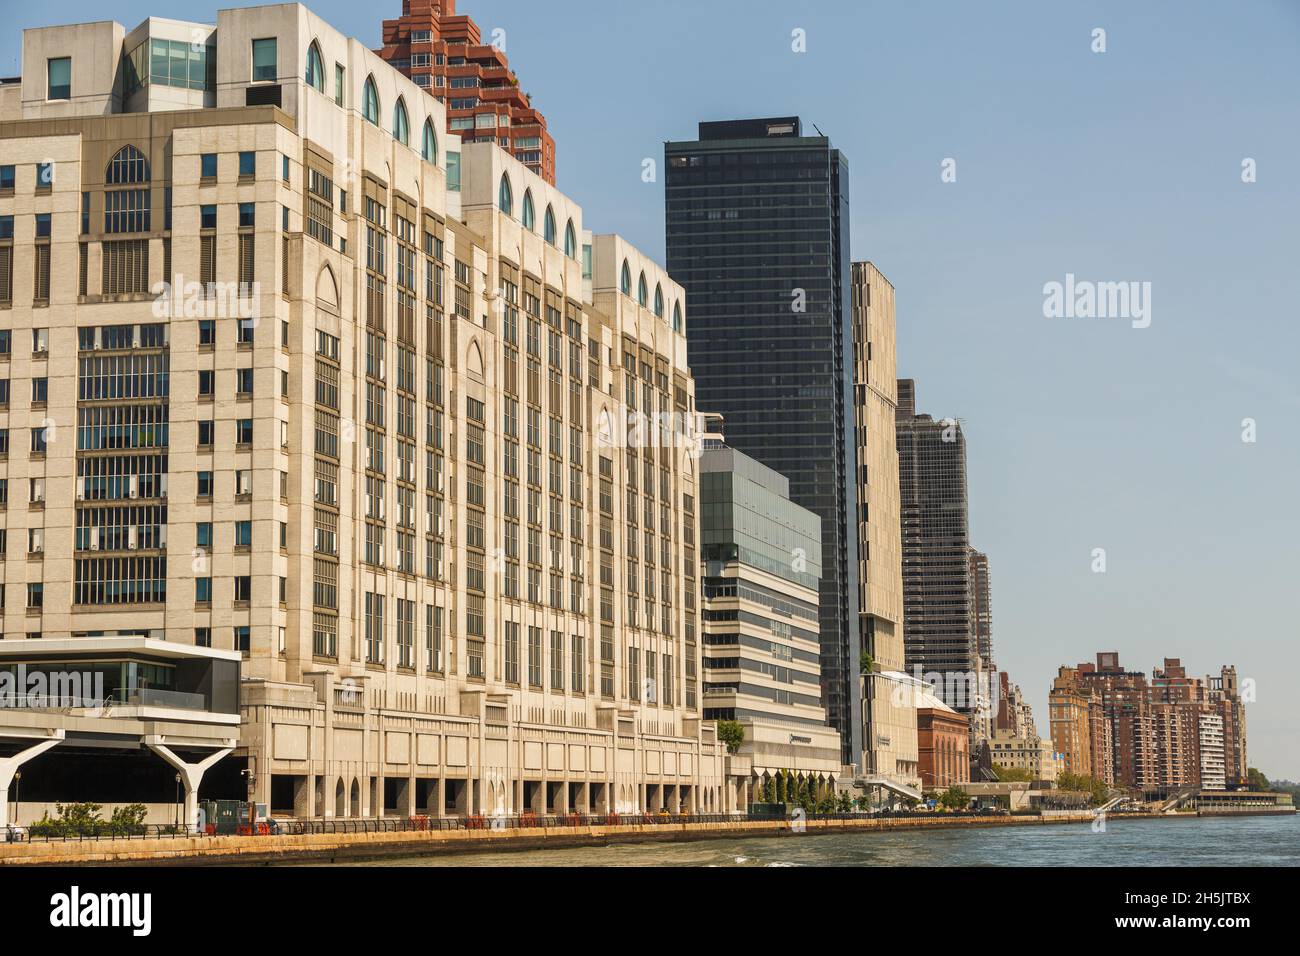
(1206, 841)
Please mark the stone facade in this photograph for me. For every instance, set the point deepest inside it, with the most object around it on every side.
(407, 469)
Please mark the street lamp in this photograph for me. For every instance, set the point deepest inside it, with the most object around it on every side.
(176, 815)
(18, 779)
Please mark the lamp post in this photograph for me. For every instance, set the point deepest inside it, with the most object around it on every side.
(176, 815)
(18, 779)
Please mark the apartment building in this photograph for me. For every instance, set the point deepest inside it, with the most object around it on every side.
(1079, 729)
(312, 392)
(1012, 750)
(444, 53)
(981, 613)
(941, 641)
(1166, 733)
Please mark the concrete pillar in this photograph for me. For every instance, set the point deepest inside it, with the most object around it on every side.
(9, 766)
(191, 773)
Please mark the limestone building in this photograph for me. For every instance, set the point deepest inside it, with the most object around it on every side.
(422, 466)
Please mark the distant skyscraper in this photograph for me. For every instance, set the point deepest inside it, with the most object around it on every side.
(758, 233)
(981, 612)
(939, 634)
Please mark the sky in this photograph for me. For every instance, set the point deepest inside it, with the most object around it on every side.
(1117, 166)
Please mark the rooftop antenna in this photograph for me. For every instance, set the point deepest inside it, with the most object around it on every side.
(819, 131)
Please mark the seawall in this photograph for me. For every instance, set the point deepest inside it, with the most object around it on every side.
(330, 847)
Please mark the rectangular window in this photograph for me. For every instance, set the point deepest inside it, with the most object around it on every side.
(264, 60)
(339, 74)
(247, 165)
(535, 656)
(557, 660)
(578, 653)
(208, 165)
(512, 652)
(59, 76)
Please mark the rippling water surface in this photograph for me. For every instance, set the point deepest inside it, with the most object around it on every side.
(1210, 841)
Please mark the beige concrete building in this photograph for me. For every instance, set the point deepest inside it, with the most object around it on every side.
(889, 701)
(384, 439)
(1031, 754)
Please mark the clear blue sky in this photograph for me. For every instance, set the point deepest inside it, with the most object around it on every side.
(1083, 433)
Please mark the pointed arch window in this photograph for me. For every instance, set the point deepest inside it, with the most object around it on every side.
(401, 123)
(506, 196)
(570, 240)
(429, 147)
(659, 300)
(548, 226)
(370, 102)
(625, 280)
(127, 166)
(677, 316)
(529, 214)
(642, 295)
(315, 68)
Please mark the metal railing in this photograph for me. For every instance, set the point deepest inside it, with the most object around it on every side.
(143, 831)
(515, 821)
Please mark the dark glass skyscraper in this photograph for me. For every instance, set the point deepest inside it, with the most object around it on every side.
(758, 233)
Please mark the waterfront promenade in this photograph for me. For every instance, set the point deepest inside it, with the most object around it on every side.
(338, 846)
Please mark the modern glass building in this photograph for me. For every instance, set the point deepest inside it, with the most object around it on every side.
(758, 234)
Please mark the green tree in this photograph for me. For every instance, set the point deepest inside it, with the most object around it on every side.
(1257, 781)
(769, 790)
(866, 663)
(1014, 774)
(731, 733)
(954, 798)
(845, 803)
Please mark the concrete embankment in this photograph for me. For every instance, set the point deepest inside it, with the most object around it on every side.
(329, 847)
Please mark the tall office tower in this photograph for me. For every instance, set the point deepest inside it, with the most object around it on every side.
(939, 635)
(444, 54)
(761, 650)
(981, 614)
(758, 234)
(888, 700)
(373, 447)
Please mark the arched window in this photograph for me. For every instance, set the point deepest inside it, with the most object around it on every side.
(401, 123)
(548, 226)
(315, 68)
(642, 295)
(126, 209)
(505, 197)
(370, 101)
(677, 316)
(429, 149)
(570, 240)
(529, 215)
(625, 280)
(659, 300)
(127, 166)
